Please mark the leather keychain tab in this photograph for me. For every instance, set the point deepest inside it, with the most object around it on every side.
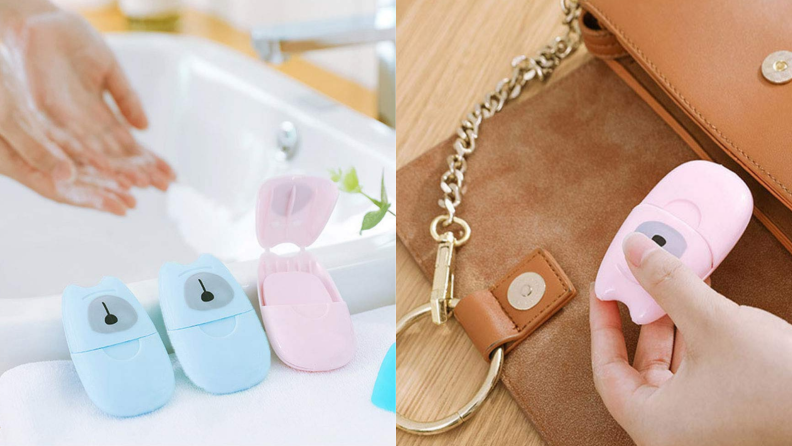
(516, 305)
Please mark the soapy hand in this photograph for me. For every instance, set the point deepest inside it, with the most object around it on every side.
(722, 379)
(69, 68)
(88, 187)
(59, 135)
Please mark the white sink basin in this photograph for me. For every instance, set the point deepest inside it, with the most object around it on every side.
(214, 116)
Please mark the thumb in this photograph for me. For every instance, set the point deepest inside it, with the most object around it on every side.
(693, 306)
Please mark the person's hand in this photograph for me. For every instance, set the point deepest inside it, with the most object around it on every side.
(88, 188)
(23, 128)
(58, 135)
(724, 378)
(29, 155)
(68, 68)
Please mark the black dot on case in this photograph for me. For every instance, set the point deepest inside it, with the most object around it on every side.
(659, 240)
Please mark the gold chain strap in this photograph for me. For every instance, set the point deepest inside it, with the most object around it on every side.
(442, 302)
(524, 70)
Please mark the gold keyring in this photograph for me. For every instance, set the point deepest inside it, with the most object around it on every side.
(458, 242)
(467, 411)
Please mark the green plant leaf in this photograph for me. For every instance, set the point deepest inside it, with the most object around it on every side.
(383, 193)
(335, 175)
(373, 218)
(350, 182)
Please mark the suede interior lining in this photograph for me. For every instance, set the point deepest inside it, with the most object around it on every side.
(561, 171)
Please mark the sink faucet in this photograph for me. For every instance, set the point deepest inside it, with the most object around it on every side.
(275, 44)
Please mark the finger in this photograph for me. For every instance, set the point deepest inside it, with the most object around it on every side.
(680, 349)
(693, 306)
(79, 153)
(125, 197)
(123, 182)
(159, 172)
(122, 163)
(124, 139)
(616, 382)
(99, 180)
(87, 195)
(152, 165)
(110, 144)
(109, 179)
(90, 139)
(40, 153)
(149, 163)
(130, 170)
(654, 351)
(125, 98)
(158, 179)
(109, 202)
(165, 168)
(13, 166)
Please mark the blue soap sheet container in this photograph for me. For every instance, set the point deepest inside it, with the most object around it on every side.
(118, 354)
(212, 326)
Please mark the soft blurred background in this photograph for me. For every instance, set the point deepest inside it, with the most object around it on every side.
(349, 74)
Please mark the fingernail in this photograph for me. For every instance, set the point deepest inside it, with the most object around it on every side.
(636, 247)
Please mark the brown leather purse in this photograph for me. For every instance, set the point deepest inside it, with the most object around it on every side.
(664, 88)
(718, 73)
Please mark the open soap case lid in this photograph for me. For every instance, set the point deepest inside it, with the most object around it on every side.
(85, 313)
(294, 209)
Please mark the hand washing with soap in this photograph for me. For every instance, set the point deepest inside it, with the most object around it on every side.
(60, 137)
(249, 302)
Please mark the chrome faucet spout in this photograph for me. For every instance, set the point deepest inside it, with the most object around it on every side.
(274, 44)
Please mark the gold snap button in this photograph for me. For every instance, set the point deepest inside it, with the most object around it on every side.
(777, 67)
(526, 290)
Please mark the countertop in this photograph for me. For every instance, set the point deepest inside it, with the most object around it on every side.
(449, 54)
(199, 24)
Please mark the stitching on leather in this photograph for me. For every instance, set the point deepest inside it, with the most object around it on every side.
(682, 97)
(541, 312)
(503, 279)
(602, 45)
(563, 293)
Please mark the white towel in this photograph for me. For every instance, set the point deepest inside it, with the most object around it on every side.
(44, 404)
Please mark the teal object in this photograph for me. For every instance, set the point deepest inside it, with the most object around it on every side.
(384, 395)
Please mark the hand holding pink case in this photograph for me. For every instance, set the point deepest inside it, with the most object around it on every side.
(697, 213)
(307, 322)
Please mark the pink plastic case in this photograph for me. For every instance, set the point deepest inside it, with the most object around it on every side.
(697, 212)
(307, 321)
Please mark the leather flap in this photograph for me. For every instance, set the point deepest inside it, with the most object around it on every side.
(707, 56)
(516, 305)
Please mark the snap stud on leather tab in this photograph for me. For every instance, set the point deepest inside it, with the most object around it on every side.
(520, 302)
(777, 67)
(526, 290)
